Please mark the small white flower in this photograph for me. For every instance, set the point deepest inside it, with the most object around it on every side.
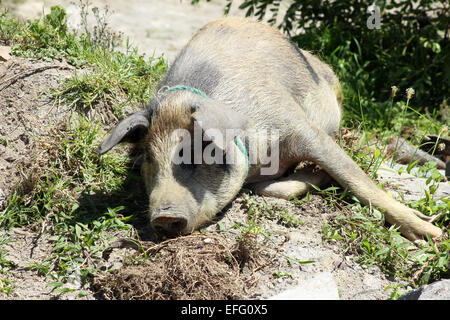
(409, 93)
(393, 91)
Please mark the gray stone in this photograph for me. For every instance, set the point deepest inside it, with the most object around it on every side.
(319, 287)
(411, 187)
(439, 290)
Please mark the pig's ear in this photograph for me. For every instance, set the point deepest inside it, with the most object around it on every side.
(221, 118)
(131, 129)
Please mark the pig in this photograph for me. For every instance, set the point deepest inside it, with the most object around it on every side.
(238, 78)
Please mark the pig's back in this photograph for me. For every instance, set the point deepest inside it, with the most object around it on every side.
(259, 72)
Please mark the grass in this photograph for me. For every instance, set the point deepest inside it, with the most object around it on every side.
(119, 79)
(68, 194)
(363, 230)
(260, 210)
(114, 78)
(59, 199)
(6, 285)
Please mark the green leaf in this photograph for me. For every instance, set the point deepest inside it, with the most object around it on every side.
(56, 284)
(78, 231)
(382, 251)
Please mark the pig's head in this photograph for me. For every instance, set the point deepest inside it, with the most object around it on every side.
(194, 162)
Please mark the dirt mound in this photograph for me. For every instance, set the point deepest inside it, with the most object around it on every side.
(26, 112)
(239, 262)
(191, 267)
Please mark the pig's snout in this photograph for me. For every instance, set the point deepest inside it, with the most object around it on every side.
(168, 223)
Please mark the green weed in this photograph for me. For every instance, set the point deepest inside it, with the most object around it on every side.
(69, 192)
(117, 80)
(6, 284)
(263, 209)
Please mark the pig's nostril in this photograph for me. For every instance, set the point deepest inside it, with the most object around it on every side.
(176, 226)
(171, 225)
(159, 230)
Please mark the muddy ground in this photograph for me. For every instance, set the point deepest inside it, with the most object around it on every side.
(257, 272)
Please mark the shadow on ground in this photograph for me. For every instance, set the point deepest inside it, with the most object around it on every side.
(130, 196)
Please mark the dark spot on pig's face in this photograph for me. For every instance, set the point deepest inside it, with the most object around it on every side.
(185, 195)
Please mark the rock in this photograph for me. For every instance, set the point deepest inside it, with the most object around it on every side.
(320, 287)
(405, 153)
(5, 53)
(411, 187)
(439, 290)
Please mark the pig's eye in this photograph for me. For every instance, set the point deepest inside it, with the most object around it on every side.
(210, 152)
(205, 144)
(223, 162)
(211, 147)
(189, 165)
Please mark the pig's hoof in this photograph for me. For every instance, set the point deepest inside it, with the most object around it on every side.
(429, 219)
(420, 234)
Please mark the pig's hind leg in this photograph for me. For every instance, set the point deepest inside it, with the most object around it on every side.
(294, 185)
(312, 143)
